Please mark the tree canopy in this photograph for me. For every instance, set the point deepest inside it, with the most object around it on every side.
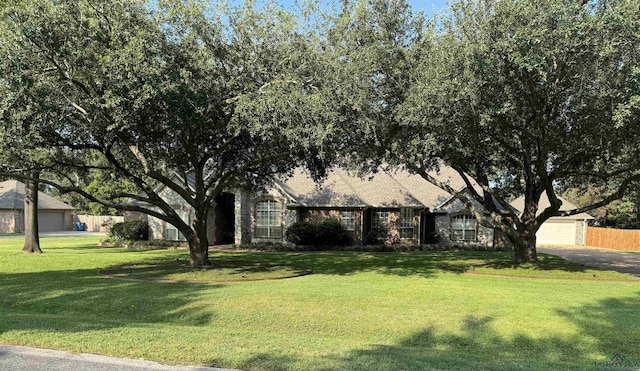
(153, 92)
(523, 96)
(520, 97)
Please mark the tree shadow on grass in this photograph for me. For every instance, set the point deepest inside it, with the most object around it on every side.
(609, 326)
(545, 263)
(79, 300)
(180, 270)
(426, 265)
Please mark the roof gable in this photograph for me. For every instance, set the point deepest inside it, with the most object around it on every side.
(518, 204)
(12, 197)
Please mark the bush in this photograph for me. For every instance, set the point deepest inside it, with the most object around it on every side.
(332, 233)
(142, 245)
(327, 233)
(301, 233)
(376, 236)
(131, 231)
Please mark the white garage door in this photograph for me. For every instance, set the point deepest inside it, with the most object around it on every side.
(50, 221)
(557, 232)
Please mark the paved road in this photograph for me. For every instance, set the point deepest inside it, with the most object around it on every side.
(16, 358)
(623, 262)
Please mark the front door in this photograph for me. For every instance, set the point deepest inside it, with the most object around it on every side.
(429, 232)
(225, 219)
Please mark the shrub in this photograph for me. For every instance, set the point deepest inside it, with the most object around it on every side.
(376, 236)
(327, 233)
(132, 231)
(332, 233)
(301, 233)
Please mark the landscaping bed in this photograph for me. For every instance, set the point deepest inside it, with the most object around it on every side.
(279, 247)
(143, 245)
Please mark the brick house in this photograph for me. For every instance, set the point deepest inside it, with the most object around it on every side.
(408, 208)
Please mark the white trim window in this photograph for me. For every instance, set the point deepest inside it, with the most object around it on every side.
(268, 219)
(406, 223)
(379, 219)
(348, 220)
(464, 228)
(171, 232)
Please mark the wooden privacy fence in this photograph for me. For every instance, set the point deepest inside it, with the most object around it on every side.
(98, 223)
(618, 239)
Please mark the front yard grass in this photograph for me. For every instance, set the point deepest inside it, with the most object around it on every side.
(179, 270)
(357, 311)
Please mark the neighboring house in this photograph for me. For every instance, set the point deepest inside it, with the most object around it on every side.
(53, 215)
(559, 230)
(410, 209)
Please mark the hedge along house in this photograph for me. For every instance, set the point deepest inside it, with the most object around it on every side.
(403, 206)
(53, 215)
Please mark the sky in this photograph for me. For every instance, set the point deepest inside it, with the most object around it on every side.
(429, 7)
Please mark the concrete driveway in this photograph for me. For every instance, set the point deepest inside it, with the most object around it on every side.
(620, 261)
(17, 358)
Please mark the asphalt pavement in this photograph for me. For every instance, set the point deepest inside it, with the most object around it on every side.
(615, 260)
(17, 358)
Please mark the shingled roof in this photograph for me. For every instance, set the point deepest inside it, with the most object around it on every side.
(386, 188)
(12, 197)
(518, 204)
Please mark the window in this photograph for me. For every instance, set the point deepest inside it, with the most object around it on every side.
(348, 220)
(406, 223)
(379, 219)
(463, 228)
(268, 221)
(172, 233)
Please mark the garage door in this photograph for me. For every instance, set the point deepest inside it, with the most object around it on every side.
(50, 221)
(557, 232)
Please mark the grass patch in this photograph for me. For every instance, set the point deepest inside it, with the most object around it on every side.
(358, 311)
(179, 270)
(548, 267)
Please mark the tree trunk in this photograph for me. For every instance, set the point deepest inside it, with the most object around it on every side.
(524, 249)
(198, 244)
(31, 236)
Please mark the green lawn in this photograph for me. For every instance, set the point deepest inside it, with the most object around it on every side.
(221, 270)
(357, 311)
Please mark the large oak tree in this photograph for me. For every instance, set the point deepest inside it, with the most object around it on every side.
(145, 91)
(520, 97)
(523, 96)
